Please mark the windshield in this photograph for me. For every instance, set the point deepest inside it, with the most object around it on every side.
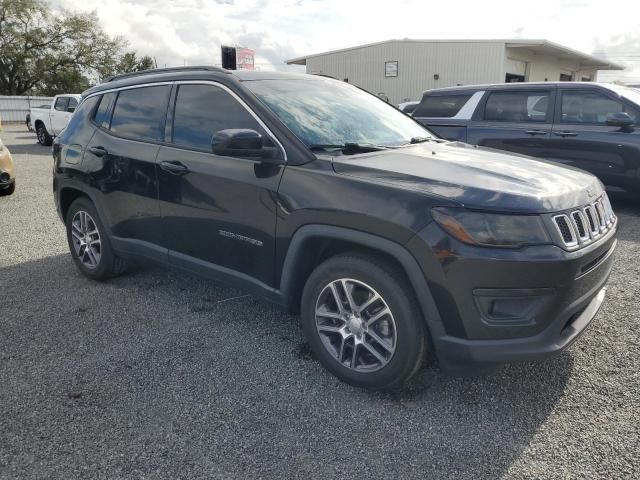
(328, 112)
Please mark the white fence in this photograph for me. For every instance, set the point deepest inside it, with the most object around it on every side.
(15, 108)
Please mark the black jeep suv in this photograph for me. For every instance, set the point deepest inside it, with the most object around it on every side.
(389, 241)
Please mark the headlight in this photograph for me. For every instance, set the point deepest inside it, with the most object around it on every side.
(490, 229)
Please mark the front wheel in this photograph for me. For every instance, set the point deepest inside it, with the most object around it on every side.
(362, 322)
(88, 243)
(8, 191)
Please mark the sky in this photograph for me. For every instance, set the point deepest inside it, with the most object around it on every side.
(179, 32)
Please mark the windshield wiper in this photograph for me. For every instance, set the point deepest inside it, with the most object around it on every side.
(348, 148)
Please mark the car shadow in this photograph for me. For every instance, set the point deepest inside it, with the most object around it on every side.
(28, 149)
(173, 363)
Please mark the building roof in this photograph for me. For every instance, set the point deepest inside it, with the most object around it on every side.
(537, 45)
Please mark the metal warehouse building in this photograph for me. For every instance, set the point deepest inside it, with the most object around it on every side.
(402, 69)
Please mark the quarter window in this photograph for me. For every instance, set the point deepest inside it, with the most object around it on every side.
(140, 113)
(588, 107)
(517, 107)
(203, 110)
(103, 112)
(441, 106)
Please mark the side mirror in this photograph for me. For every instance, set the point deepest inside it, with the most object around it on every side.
(620, 119)
(240, 142)
(71, 109)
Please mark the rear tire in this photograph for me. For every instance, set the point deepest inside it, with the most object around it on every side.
(44, 138)
(358, 342)
(89, 243)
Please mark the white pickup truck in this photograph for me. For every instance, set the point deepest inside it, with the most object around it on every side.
(49, 122)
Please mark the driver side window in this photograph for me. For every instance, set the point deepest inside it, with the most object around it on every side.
(203, 110)
(588, 107)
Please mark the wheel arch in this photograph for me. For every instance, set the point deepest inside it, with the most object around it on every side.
(312, 244)
(67, 196)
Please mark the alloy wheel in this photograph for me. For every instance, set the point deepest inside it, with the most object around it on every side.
(356, 325)
(86, 239)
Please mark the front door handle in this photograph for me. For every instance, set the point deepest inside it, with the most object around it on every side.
(535, 132)
(98, 151)
(174, 167)
(566, 134)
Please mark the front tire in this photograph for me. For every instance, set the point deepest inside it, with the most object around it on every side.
(8, 191)
(362, 321)
(89, 244)
(44, 138)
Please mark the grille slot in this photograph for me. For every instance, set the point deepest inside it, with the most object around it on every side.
(601, 217)
(565, 229)
(580, 224)
(593, 220)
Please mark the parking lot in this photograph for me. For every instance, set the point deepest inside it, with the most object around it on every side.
(158, 374)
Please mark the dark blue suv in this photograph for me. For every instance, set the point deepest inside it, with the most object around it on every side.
(586, 125)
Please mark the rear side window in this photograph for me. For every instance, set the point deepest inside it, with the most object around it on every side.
(140, 113)
(446, 106)
(103, 112)
(517, 107)
(588, 107)
(203, 110)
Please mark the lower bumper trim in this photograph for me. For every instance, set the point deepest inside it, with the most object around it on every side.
(455, 352)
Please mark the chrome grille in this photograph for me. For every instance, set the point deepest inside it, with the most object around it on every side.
(584, 225)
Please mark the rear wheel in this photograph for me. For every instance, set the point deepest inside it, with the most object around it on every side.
(43, 136)
(362, 322)
(88, 243)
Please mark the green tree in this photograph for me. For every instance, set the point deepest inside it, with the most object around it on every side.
(42, 51)
(129, 62)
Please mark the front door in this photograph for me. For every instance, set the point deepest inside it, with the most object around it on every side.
(515, 120)
(219, 212)
(581, 137)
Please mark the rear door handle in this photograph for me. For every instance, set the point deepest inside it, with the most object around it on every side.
(174, 167)
(98, 151)
(535, 132)
(566, 134)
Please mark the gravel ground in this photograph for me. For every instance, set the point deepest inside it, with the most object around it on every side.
(162, 375)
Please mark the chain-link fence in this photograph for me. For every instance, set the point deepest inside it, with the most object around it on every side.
(15, 108)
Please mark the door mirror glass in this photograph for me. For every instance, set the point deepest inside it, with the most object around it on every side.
(620, 119)
(71, 109)
(241, 142)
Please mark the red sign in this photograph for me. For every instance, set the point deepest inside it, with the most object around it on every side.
(244, 59)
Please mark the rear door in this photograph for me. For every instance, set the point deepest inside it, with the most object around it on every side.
(581, 137)
(516, 120)
(219, 212)
(121, 157)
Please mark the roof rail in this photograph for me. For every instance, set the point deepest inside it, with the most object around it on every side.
(205, 68)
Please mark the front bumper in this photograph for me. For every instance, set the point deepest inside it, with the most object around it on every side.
(551, 297)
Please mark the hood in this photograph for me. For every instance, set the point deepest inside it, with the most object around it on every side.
(476, 177)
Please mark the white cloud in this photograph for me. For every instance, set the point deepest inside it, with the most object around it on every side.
(191, 31)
